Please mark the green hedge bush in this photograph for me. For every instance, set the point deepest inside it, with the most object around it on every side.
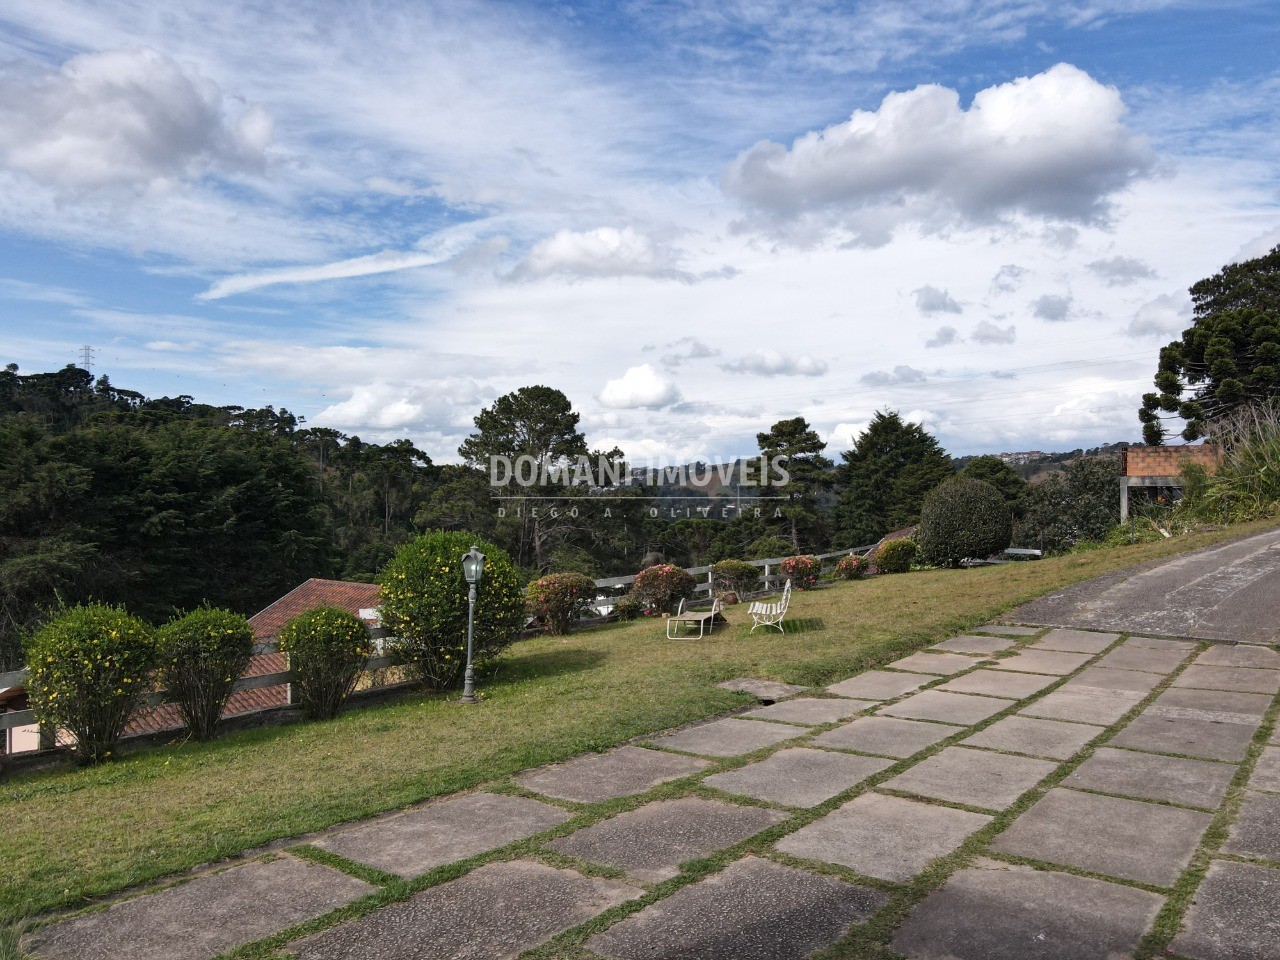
(735, 576)
(963, 519)
(895, 556)
(629, 606)
(558, 600)
(201, 655)
(424, 605)
(663, 586)
(327, 649)
(89, 668)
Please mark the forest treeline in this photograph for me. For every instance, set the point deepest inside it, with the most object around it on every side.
(164, 504)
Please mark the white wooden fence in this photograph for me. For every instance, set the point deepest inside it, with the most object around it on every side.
(25, 718)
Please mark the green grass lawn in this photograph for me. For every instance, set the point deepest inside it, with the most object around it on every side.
(73, 835)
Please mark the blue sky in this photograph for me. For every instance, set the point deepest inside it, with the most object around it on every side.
(695, 218)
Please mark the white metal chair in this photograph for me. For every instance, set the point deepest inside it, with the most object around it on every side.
(706, 622)
(770, 614)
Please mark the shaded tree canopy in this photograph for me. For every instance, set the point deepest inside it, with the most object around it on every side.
(885, 477)
(799, 449)
(1229, 356)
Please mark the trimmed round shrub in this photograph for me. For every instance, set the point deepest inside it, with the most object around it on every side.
(766, 548)
(629, 606)
(201, 655)
(663, 586)
(963, 519)
(558, 600)
(327, 649)
(89, 668)
(735, 576)
(802, 571)
(852, 567)
(424, 606)
(895, 556)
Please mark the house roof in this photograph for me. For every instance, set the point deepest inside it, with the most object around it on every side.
(354, 597)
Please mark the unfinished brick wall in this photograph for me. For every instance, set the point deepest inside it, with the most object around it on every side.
(1141, 461)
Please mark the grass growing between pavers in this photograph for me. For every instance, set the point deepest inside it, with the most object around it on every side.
(75, 835)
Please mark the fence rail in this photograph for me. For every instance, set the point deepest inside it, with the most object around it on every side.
(25, 718)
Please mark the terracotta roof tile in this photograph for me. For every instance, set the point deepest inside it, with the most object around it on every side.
(306, 596)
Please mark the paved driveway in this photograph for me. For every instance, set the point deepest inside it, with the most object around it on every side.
(1227, 592)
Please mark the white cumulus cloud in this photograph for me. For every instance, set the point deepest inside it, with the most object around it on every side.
(1121, 271)
(930, 299)
(1164, 317)
(1052, 306)
(1054, 145)
(943, 337)
(771, 363)
(124, 117)
(640, 388)
(898, 375)
(599, 253)
(989, 333)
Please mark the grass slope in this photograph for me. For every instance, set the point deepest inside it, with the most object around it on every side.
(74, 835)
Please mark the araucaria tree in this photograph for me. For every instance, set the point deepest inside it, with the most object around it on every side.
(799, 451)
(885, 477)
(539, 423)
(1230, 355)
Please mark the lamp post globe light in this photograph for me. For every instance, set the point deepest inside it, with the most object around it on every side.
(473, 570)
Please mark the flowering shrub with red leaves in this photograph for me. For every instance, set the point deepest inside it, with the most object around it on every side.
(802, 571)
(852, 567)
(663, 586)
(558, 600)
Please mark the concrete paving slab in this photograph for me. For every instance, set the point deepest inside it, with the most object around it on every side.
(975, 778)
(1077, 641)
(886, 736)
(622, 772)
(799, 777)
(1108, 835)
(809, 711)
(650, 842)
(412, 843)
(1206, 739)
(730, 737)
(1050, 739)
(1256, 832)
(885, 837)
(1053, 662)
(1235, 914)
(1159, 643)
(1083, 705)
(751, 910)
(766, 691)
(1009, 630)
(879, 685)
(939, 664)
(1149, 776)
(1240, 679)
(1004, 912)
(957, 708)
(1103, 678)
(203, 918)
(999, 683)
(1125, 657)
(975, 646)
(1235, 655)
(495, 912)
(1211, 705)
(1266, 772)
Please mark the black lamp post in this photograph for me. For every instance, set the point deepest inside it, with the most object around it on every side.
(473, 570)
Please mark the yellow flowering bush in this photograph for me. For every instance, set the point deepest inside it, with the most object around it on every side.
(201, 655)
(327, 649)
(89, 668)
(424, 605)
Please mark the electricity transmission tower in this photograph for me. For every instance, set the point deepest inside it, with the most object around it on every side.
(86, 357)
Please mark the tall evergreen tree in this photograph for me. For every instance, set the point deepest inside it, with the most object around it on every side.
(884, 478)
(799, 450)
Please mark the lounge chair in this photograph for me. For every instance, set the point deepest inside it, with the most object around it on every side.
(770, 614)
